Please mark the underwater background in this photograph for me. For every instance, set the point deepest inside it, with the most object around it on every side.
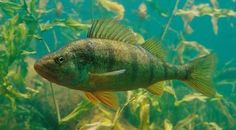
(187, 29)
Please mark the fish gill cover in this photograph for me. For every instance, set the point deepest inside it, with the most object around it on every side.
(188, 29)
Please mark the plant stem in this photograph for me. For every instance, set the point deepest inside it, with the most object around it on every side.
(46, 45)
(170, 19)
(56, 104)
(53, 92)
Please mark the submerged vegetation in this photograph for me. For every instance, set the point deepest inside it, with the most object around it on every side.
(30, 28)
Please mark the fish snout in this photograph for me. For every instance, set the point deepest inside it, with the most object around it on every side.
(43, 63)
(45, 69)
(38, 66)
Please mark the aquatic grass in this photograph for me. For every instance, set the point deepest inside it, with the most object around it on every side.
(19, 29)
(25, 26)
(192, 11)
(170, 20)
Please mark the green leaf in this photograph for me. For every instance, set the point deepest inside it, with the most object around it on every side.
(82, 107)
(10, 5)
(76, 23)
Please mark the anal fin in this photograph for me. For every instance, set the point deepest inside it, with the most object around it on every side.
(157, 88)
(107, 98)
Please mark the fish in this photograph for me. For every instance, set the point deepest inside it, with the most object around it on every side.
(110, 60)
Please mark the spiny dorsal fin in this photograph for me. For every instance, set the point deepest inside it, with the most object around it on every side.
(157, 88)
(112, 30)
(154, 47)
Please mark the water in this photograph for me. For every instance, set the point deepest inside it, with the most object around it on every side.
(27, 29)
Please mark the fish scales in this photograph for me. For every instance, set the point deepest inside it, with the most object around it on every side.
(142, 68)
(123, 56)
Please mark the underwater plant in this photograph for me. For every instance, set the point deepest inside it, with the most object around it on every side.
(32, 28)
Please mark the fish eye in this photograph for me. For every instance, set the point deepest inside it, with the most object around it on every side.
(60, 60)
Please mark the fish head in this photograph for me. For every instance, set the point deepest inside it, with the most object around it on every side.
(61, 68)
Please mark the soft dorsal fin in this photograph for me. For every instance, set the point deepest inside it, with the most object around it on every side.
(112, 30)
(154, 47)
(157, 88)
(107, 98)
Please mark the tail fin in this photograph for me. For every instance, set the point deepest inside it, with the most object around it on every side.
(201, 71)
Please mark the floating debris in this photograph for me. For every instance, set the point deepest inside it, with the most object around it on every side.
(167, 125)
(191, 97)
(205, 9)
(64, 23)
(215, 13)
(59, 8)
(113, 6)
(24, 52)
(186, 121)
(183, 45)
(212, 126)
(142, 10)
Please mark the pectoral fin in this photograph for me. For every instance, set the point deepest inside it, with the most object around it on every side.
(107, 98)
(156, 88)
(112, 73)
(105, 77)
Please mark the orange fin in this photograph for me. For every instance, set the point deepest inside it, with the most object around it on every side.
(91, 97)
(107, 98)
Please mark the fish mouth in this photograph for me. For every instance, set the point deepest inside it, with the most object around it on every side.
(44, 71)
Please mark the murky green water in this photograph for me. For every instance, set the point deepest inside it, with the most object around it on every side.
(30, 29)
